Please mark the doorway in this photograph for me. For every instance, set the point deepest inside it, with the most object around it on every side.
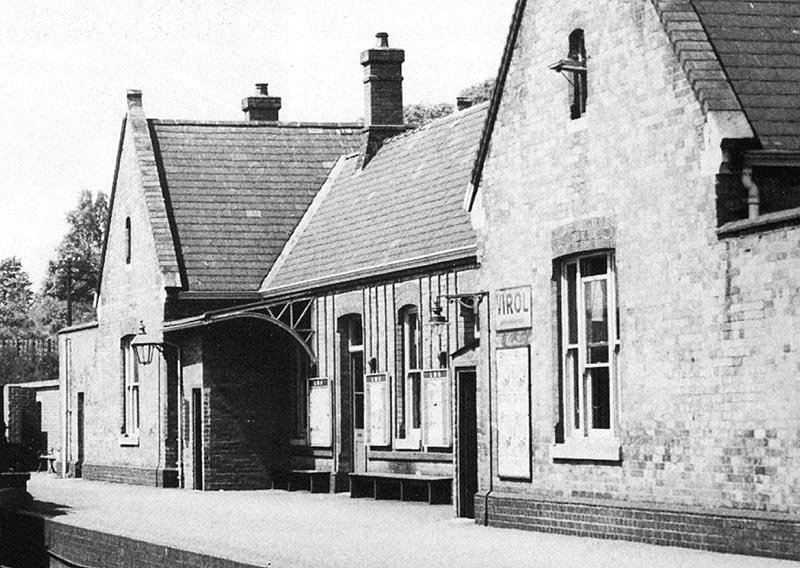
(354, 340)
(81, 430)
(467, 447)
(197, 438)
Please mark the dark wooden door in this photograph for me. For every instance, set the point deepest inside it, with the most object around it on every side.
(81, 430)
(197, 438)
(467, 441)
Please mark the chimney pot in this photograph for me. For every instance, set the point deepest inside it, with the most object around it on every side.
(261, 106)
(383, 39)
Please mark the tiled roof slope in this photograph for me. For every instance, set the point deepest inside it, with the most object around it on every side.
(237, 190)
(694, 50)
(758, 44)
(404, 209)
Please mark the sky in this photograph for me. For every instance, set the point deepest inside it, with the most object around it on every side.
(65, 68)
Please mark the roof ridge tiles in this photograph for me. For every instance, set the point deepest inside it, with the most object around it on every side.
(254, 123)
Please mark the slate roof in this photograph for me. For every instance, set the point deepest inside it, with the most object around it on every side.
(758, 44)
(236, 191)
(404, 210)
(739, 55)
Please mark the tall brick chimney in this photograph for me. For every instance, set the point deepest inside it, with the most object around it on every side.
(383, 94)
(261, 106)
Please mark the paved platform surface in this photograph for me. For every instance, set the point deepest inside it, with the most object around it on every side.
(281, 529)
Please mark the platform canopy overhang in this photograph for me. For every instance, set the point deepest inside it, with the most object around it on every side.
(292, 316)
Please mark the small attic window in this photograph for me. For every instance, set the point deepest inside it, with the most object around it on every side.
(577, 52)
(573, 68)
(127, 240)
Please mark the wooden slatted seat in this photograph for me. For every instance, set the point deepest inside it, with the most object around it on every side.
(313, 480)
(435, 490)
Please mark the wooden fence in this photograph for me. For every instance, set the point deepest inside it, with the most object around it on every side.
(37, 347)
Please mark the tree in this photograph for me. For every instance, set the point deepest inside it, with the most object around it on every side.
(419, 114)
(16, 297)
(479, 92)
(76, 269)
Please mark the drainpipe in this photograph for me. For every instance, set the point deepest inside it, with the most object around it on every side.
(753, 195)
(181, 433)
(489, 394)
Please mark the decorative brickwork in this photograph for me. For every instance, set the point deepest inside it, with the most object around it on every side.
(583, 236)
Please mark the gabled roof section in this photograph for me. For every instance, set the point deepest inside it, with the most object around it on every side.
(738, 55)
(236, 191)
(403, 211)
(135, 125)
(758, 44)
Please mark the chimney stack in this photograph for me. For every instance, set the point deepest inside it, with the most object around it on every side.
(262, 106)
(463, 103)
(383, 94)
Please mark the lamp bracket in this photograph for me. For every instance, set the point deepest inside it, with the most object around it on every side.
(468, 300)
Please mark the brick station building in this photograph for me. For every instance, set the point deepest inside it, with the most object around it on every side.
(199, 211)
(637, 196)
(285, 275)
(620, 356)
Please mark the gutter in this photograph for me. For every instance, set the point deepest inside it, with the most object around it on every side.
(386, 270)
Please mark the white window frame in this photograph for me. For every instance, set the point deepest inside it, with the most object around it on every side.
(412, 369)
(354, 324)
(131, 393)
(582, 440)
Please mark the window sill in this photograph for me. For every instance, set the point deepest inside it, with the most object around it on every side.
(407, 444)
(129, 439)
(761, 222)
(389, 455)
(594, 450)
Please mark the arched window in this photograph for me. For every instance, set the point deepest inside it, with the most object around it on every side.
(578, 92)
(127, 240)
(408, 389)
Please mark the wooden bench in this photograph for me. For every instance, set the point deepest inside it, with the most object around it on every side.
(313, 480)
(47, 462)
(435, 490)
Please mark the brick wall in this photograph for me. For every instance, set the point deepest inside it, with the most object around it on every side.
(708, 325)
(49, 402)
(33, 417)
(248, 374)
(24, 419)
(761, 534)
(77, 368)
(33, 542)
(130, 292)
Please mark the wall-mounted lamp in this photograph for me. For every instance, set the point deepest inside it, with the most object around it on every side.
(145, 344)
(436, 316)
(465, 301)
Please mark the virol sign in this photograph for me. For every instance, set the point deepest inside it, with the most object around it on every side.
(512, 308)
